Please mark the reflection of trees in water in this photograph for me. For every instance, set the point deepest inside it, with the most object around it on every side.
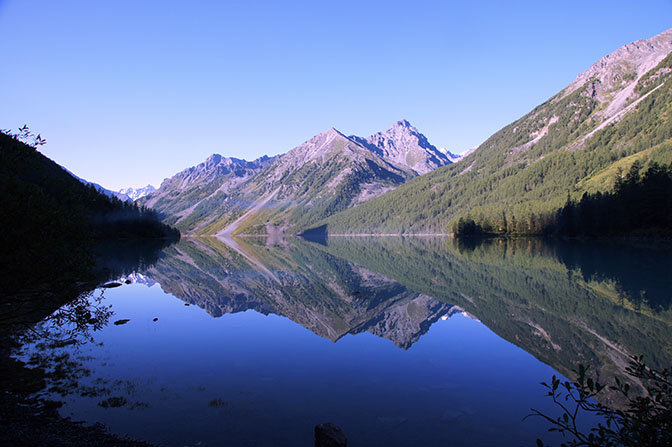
(72, 323)
(117, 258)
(638, 270)
(527, 292)
(51, 346)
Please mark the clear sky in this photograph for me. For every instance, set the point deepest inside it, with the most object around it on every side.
(130, 92)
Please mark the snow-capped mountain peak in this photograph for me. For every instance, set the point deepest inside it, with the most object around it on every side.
(135, 193)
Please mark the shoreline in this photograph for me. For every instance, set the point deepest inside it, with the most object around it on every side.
(26, 420)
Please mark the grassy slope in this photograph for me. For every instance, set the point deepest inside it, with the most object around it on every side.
(505, 176)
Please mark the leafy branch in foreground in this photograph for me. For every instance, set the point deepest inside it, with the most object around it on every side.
(646, 420)
(25, 136)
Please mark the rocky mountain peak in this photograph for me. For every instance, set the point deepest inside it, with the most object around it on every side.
(615, 76)
(451, 156)
(403, 123)
(137, 193)
(214, 158)
(405, 145)
(220, 160)
(214, 166)
(333, 132)
(328, 172)
(318, 147)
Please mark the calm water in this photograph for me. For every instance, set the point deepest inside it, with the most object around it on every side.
(400, 342)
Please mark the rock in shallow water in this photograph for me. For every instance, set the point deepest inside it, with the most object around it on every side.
(329, 435)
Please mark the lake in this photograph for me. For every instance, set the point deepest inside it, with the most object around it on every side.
(398, 341)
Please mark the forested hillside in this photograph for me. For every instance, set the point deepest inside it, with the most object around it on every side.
(617, 113)
(639, 205)
(49, 218)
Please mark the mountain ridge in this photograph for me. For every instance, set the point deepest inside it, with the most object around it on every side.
(406, 146)
(524, 173)
(325, 174)
(137, 193)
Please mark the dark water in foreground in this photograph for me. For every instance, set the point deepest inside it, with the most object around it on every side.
(400, 342)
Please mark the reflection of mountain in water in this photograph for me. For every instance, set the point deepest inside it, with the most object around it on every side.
(528, 292)
(565, 303)
(327, 295)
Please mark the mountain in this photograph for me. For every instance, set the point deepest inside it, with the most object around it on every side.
(101, 189)
(136, 193)
(405, 146)
(613, 115)
(454, 158)
(326, 174)
(186, 198)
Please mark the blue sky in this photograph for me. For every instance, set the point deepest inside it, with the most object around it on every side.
(128, 93)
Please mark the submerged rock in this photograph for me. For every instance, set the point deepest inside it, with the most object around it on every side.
(393, 421)
(329, 435)
(113, 402)
(451, 415)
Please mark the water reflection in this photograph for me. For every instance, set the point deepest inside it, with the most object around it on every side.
(324, 293)
(68, 303)
(49, 309)
(566, 303)
(266, 381)
(593, 303)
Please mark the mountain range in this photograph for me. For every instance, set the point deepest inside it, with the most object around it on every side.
(616, 113)
(124, 194)
(137, 193)
(328, 173)
(611, 116)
